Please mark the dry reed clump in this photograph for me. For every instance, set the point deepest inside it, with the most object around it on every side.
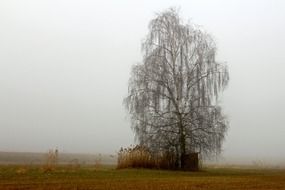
(51, 161)
(135, 157)
(140, 157)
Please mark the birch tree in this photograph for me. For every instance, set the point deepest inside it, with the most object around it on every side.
(173, 94)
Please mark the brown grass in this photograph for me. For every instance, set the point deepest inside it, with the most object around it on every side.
(22, 170)
(140, 179)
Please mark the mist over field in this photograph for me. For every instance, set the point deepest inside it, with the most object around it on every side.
(65, 66)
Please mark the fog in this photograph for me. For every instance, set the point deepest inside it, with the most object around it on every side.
(65, 65)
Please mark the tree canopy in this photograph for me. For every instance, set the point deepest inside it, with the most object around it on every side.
(173, 94)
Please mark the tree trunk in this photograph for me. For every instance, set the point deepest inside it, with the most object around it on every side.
(183, 151)
(182, 144)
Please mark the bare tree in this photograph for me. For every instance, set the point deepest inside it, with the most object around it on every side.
(173, 95)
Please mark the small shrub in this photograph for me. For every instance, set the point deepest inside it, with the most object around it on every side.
(98, 162)
(51, 160)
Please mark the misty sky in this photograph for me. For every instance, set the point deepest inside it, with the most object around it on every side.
(65, 65)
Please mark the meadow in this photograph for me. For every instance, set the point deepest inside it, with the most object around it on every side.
(34, 177)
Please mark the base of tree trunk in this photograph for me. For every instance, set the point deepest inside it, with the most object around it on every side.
(191, 162)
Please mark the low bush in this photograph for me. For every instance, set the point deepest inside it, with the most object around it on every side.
(135, 157)
(140, 157)
(51, 161)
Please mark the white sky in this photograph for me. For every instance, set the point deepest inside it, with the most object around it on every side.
(65, 64)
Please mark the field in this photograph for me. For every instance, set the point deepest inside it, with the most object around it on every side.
(32, 158)
(107, 177)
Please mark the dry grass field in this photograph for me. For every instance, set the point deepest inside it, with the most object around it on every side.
(25, 158)
(91, 177)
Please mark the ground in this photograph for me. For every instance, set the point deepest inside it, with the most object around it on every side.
(89, 177)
